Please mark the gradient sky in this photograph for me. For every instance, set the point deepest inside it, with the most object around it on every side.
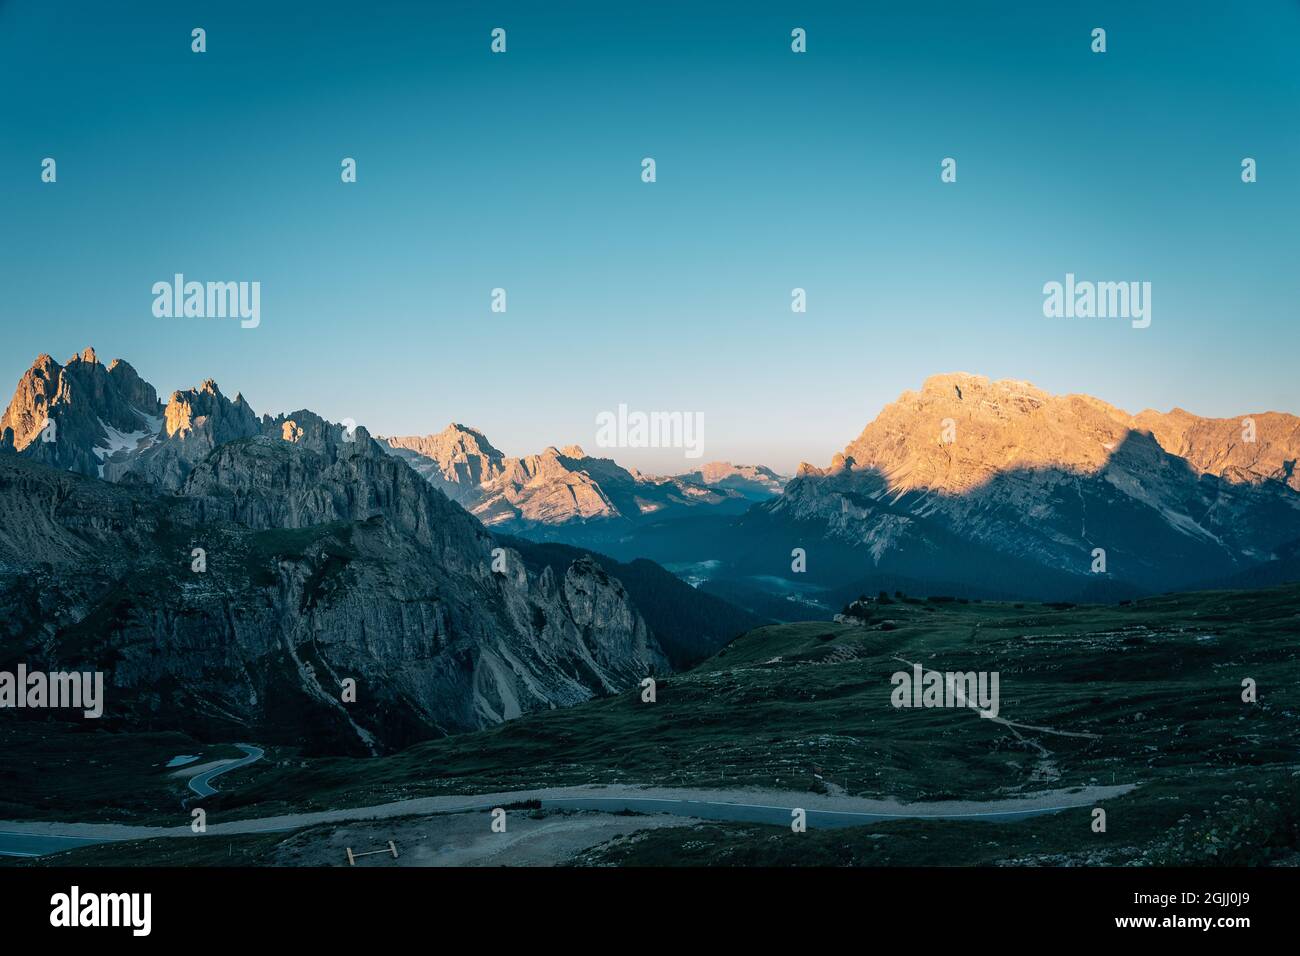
(775, 170)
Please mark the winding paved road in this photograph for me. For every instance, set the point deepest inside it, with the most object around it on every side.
(781, 815)
(35, 844)
(19, 842)
(28, 838)
(201, 783)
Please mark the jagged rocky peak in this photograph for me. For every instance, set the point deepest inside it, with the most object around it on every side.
(960, 429)
(1250, 448)
(557, 486)
(382, 578)
(29, 408)
(304, 427)
(194, 422)
(753, 481)
(551, 461)
(132, 387)
(72, 416)
(205, 414)
(455, 442)
(966, 469)
(965, 386)
(458, 456)
(549, 488)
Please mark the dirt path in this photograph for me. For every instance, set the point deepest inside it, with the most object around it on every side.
(747, 805)
(467, 839)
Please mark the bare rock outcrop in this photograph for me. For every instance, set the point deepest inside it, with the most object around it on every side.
(558, 487)
(74, 416)
(234, 572)
(971, 480)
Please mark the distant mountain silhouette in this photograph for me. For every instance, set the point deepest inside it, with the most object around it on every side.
(567, 495)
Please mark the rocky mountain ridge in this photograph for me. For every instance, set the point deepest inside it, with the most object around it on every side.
(753, 481)
(76, 415)
(971, 477)
(231, 573)
(566, 486)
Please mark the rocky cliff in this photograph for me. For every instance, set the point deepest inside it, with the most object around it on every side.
(1005, 486)
(457, 460)
(76, 415)
(560, 486)
(243, 570)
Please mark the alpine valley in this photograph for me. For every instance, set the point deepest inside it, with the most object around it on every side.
(231, 571)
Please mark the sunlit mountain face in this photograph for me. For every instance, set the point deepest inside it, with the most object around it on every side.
(1000, 487)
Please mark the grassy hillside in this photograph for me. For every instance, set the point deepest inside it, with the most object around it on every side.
(1226, 818)
(1157, 682)
(1146, 693)
(55, 770)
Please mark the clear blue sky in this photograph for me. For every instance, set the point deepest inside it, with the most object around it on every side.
(775, 170)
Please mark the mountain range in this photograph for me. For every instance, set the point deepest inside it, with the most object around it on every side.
(1002, 489)
(566, 486)
(232, 571)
